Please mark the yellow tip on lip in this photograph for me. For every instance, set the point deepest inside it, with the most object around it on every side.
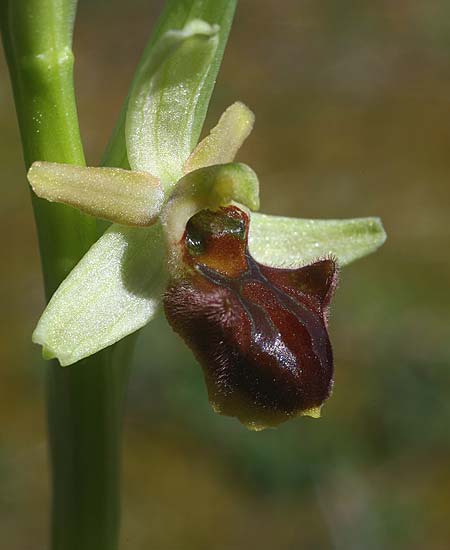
(314, 412)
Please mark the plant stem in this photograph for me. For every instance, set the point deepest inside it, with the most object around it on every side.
(84, 401)
(37, 41)
(85, 413)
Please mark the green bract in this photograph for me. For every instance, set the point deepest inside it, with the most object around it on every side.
(164, 100)
(117, 287)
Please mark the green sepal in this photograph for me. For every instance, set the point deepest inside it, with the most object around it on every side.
(291, 242)
(113, 291)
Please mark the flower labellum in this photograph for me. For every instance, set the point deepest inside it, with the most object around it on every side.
(260, 333)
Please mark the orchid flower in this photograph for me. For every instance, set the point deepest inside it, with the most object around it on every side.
(248, 292)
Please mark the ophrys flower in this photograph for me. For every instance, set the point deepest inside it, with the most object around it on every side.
(183, 217)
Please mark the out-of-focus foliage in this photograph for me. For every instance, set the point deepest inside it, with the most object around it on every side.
(351, 100)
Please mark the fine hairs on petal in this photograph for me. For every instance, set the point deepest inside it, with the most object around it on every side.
(121, 196)
(224, 140)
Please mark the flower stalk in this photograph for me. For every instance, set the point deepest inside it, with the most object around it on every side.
(84, 404)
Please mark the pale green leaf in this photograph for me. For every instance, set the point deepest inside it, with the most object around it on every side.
(290, 242)
(113, 291)
(224, 140)
(113, 194)
(163, 100)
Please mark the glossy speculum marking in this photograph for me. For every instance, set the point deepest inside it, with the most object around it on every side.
(260, 333)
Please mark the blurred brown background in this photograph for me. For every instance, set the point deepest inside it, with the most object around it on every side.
(353, 118)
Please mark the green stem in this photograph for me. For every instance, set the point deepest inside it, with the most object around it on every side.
(85, 413)
(37, 41)
(84, 402)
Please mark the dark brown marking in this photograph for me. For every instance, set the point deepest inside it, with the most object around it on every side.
(259, 333)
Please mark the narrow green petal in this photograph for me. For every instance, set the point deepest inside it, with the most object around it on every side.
(210, 187)
(291, 242)
(113, 194)
(163, 100)
(225, 139)
(113, 291)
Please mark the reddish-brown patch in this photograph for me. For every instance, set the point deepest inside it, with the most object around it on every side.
(259, 333)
